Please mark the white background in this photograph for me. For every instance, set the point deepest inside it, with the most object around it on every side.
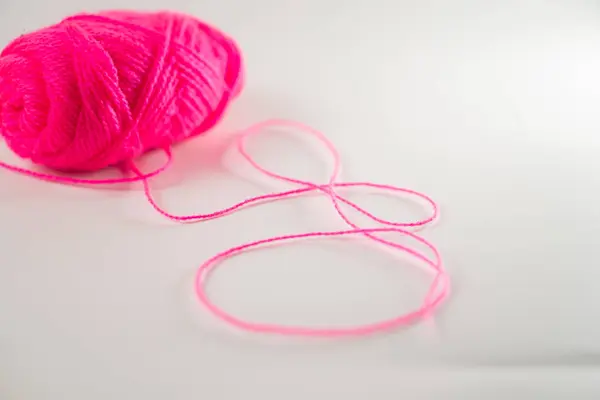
(489, 107)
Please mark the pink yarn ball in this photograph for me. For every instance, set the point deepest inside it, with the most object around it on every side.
(98, 90)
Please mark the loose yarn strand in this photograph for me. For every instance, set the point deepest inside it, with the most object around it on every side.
(437, 292)
(68, 180)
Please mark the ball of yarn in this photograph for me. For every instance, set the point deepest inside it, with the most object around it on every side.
(97, 90)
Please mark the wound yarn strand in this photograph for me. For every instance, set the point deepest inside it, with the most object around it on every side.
(97, 91)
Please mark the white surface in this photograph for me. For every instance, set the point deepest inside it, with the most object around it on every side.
(490, 107)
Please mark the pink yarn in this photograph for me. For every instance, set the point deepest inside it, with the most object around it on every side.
(99, 90)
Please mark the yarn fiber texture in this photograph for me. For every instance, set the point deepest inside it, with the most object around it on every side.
(99, 90)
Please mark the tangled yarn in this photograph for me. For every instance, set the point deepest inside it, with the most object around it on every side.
(96, 91)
